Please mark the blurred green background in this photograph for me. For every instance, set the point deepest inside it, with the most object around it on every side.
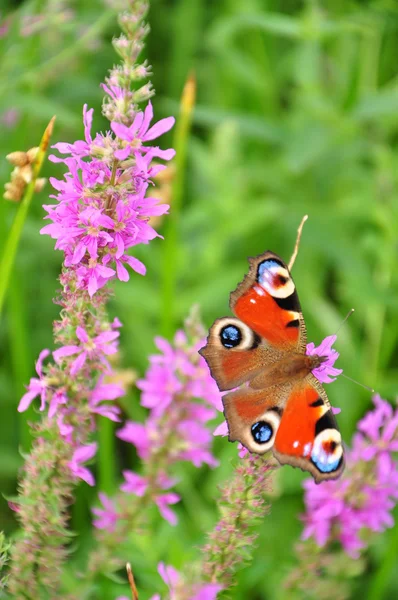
(297, 113)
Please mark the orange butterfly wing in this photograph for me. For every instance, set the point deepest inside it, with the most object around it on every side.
(269, 324)
(266, 300)
(308, 436)
(294, 420)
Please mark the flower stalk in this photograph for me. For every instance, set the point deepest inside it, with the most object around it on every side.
(174, 431)
(243, 502)
(101, 211)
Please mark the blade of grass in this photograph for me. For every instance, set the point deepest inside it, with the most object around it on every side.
(170, 251)
(11, 245)
(106, 456)
(21, 360)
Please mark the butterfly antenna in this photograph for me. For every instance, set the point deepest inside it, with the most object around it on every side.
(344, 320)
(296, 247)
(358, 383)
(130, 577)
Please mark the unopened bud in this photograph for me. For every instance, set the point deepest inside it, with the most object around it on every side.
(18, 159)
(143, 93)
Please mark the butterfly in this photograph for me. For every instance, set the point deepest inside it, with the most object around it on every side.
(279, 404)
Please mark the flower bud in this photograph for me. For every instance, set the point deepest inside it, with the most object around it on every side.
(143, 93)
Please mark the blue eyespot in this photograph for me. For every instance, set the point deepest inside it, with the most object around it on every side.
(230, 336)
(324, 461)
(266, 265)
(262, 432)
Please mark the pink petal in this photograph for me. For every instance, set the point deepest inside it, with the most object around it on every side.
(39, 364)
(121, 131)
(169, 575)
(26, 401)
(123, 153)
(159, 129)
(122, 273)
(65, 351)
(82, 335)
(222, 429)
(135, 264)
(78, 363)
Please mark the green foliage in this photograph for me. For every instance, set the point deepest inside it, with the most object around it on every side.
(296, 114)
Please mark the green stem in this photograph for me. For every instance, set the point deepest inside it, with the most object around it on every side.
(12, 242)
(170, 250)
(106, 456)
(21, 360)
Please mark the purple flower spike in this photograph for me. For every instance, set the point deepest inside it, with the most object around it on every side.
(326, 372)
(363, 498)
(96, 229)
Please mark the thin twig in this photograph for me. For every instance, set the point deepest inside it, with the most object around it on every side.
(296, 247)
(130, 577)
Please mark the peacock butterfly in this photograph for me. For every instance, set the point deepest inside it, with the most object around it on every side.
(280, 405)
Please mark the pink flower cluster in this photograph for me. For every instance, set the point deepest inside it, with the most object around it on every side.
(362, 500)
(71, 368)
(102, 209)
(175, 385)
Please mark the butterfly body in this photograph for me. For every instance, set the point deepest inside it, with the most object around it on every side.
(279, 404)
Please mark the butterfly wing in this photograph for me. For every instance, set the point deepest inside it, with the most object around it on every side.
(269, 324)
(308, 436)
(254, 416)
(234, 353)
(266, 300)
(295, 420)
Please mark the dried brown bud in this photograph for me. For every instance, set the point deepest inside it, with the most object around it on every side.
(10, 196)
(32, 153)
(24, 173)
(19, 159)
(16, 182)
(13, 192)
(40, 183)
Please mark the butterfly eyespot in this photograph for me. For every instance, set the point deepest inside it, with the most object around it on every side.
(262, 432)
(260, 437)
(230, 336)
(327, 451)
(275, 279)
